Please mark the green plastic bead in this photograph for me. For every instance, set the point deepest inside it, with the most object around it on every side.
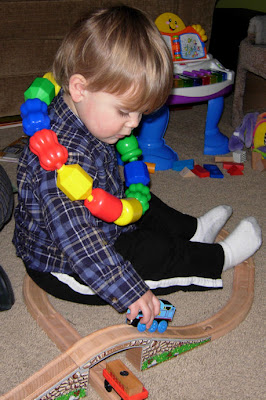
(41, 88)
(128, 148)
(141, 193)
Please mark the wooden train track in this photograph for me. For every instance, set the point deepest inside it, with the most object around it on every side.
(82, 356)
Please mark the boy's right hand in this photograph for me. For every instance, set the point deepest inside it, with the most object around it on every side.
(150, 307)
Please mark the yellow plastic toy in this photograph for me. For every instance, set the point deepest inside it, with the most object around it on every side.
(185, 43)
(131, 212)
(169, 23)
(259, 133)
(74, 182)
(50, 77)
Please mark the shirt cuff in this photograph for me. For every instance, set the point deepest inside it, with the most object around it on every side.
(124, 289)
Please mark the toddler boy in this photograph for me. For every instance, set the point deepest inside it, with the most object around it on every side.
(114, 66)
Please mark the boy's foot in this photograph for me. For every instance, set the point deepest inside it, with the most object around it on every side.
(242, 243)
(210, 224)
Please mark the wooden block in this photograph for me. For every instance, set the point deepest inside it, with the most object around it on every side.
(223, 159)
(181, 164)
(261, 165)
(234, 171)
(187, 173)
(200, 171)
(228, 165)
(215, 172)
(255, 158)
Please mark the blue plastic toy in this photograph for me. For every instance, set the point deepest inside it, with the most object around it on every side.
(181, 164)
(136, 172)
(151, 142)
(34, 115)
(215, 172)
(160, 322)
(215, 142)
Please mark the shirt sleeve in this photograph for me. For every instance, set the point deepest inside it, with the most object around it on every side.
(81, 238)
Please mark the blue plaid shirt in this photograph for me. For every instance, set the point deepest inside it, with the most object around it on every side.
(55, 234)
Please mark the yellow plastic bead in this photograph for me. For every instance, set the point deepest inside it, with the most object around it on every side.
(50, 77)
(74, 182)
(131, 212)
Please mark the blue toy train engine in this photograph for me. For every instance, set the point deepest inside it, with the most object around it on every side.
(160, 322)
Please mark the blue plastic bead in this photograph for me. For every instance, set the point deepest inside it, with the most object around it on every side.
(33, 105)
(34, 113)
(136, 172)
(35, 122)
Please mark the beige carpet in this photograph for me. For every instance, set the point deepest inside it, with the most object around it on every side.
(229, 368)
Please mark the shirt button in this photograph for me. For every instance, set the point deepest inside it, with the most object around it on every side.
(114, 300)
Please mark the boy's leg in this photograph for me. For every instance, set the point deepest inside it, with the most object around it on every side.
(51, 285)
(203, 229)
(167, 261)
(166, 219)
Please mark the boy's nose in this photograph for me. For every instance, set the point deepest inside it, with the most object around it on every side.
(134, 120)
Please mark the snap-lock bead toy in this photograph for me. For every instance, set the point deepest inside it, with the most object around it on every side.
(72, 179)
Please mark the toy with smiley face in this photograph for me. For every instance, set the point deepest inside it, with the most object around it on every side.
(185, 43)
(169, 23)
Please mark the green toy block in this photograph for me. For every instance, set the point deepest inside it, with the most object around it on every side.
(41, 88)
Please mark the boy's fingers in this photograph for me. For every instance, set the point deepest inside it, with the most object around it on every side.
(148, 317)
(133, 312)
(156, 306)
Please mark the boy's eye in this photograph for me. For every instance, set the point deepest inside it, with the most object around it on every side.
(123, 113)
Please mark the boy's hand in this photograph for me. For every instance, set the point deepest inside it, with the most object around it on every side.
(149, 305)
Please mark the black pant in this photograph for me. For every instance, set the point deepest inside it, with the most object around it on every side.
(159, 249)
(160, 246)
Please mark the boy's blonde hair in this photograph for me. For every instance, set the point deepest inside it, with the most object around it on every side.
(118, 50)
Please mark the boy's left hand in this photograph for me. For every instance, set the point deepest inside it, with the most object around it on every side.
(150, 307)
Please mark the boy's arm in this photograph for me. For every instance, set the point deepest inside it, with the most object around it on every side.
(81, 239)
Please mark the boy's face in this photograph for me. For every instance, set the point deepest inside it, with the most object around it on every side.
(105, 117)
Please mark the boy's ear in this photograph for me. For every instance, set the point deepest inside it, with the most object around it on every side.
(77, 86)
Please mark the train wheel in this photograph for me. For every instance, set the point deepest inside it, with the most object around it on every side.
(162, 326)
(141, 327)
(107, 386)
(153, 327)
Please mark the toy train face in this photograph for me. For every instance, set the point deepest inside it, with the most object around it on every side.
(160, 322)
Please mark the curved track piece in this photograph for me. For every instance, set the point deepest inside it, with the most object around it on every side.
(52, 322)
(82, 354)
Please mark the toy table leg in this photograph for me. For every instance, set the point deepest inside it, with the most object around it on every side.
(151, 142)
(215, 142)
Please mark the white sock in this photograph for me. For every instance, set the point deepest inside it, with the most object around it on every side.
(210, 224)
(242, 243)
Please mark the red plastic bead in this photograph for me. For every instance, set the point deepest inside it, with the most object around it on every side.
(104, 205)
(52, 155)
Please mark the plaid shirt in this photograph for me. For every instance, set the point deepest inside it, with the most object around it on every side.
(54, 234)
